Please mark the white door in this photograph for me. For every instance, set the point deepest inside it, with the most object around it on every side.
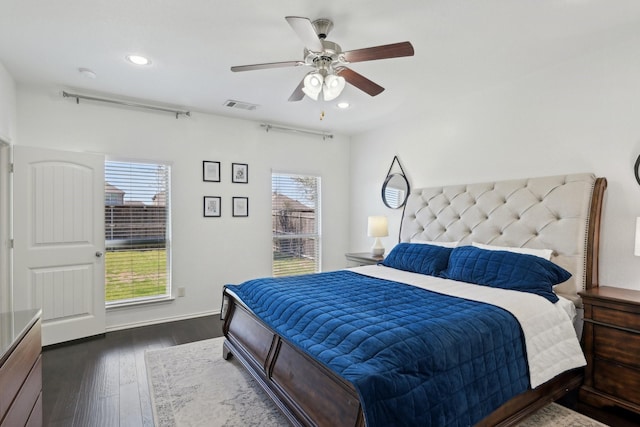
(58, 225)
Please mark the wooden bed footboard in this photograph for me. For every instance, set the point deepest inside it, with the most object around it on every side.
(309, 394)
(306, 391)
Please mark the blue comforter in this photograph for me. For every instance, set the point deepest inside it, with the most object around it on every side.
(415, 357)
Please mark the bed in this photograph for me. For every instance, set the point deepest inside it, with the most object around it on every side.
(331, 359)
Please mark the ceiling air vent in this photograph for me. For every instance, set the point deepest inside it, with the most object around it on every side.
(241, 105)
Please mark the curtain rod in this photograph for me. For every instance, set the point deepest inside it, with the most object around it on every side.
(269, 127)
(78, 97)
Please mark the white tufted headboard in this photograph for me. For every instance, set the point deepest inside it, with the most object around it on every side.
(561, 213)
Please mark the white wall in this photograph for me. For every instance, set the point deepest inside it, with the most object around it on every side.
(7, 106)
(207, 252)
(7, 134)
(582, 115)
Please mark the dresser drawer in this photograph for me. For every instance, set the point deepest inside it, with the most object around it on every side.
(617, 380)
(607, 345)
(27, 399)
(618, 318)
(17, 367)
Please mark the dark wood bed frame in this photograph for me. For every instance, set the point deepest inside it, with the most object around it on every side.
(309, 394)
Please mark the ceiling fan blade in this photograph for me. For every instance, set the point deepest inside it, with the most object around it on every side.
(297, 94)
(304, 29)
(360, 81)
(267, 65)
(394, 50)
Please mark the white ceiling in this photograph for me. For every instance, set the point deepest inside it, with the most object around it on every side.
(460, 46)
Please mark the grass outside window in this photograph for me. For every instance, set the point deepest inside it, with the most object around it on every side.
(135, 274)
(287, 265)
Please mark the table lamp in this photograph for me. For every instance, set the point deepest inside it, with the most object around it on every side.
(377, 227)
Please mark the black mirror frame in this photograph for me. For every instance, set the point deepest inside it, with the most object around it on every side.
(635, 170)
(388, 178)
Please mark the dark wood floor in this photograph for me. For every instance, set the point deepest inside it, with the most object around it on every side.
(103, 381)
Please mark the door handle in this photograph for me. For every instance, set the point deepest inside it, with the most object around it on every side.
(99, 254)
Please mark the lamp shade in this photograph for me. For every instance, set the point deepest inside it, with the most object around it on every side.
(313, 85)
(333, 87)
(378, 226)
(317, 82)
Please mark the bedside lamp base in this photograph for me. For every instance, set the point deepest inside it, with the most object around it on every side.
(377, 249)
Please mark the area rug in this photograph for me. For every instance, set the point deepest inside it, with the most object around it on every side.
(192, 385)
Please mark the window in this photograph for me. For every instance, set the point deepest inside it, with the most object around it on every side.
(137, 232)
(295, 219)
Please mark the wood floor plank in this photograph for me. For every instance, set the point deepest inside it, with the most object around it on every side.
(146, 410)
(130, 410)
(103, 381)
(61, 382)
(128, 371)
(100, 412)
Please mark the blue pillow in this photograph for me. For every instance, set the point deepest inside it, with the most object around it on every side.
(418, 258)
(506, 270)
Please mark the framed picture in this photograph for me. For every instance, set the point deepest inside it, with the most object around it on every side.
(210, 171)
(211, 206)
(240, 173)
(240, 206)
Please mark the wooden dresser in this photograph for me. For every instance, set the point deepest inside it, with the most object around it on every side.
(612, 347)
(20, 369)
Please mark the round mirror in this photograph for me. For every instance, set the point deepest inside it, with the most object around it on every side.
(395, 190)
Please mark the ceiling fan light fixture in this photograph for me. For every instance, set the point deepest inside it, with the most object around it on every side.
(313, 85)
(328, 59)
(333, 87)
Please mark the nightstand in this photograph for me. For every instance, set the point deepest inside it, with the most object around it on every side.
(362, 258)
(611, 340)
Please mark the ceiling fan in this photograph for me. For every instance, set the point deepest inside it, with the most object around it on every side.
(330, 72)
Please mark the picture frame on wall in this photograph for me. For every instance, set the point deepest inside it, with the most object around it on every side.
(240, 173)
(210, 171)
(211, 206)
(240, 206)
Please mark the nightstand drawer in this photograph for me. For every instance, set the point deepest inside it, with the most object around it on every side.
(362, 258)
(607, 344)
(611, 342)
(622, 319)
(617, 380)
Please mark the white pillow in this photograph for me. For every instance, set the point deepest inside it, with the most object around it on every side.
(434, 243)
(542, 253)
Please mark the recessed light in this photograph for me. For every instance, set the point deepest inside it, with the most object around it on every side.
(87, 73)
(343, 105)
(138, 60)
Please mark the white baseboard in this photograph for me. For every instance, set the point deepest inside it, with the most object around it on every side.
(161, 320)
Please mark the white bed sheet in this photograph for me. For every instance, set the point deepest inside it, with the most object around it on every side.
(550, 338)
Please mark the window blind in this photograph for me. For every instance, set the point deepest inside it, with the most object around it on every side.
(295, 220)
(137, 232)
